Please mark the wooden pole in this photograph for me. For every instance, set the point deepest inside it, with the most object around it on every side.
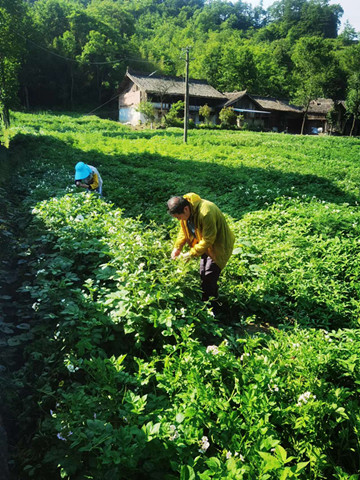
(186, 108)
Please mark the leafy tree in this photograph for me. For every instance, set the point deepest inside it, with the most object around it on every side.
(306, 17)
(219, 14)
(67, 45)
(85, 50)
(314, 69)
(175, 114)
(353, 99)
(205, 111)
(227, 117)
(332, 119)
(349, 36)
(148, 110)
(11, 48)
(238, 65)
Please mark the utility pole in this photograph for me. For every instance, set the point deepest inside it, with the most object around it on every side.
(186, 109)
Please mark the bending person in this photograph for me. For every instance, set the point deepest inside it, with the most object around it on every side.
(87, 176)
(204, 229)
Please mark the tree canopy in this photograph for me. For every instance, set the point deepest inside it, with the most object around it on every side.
(76, 51)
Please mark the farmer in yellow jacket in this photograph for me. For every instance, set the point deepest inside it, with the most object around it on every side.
(204, 229)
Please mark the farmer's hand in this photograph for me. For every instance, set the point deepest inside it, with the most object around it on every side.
(186, 256)
(175, 253)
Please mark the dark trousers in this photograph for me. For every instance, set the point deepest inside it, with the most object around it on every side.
(209, 273)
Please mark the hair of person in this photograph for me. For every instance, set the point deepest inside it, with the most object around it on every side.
(176, 205)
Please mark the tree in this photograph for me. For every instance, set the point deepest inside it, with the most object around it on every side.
(353, 99)
(205, 111)
(78, 51)
(306, 18)
(349, 36)
(11, 48)
(148, 110)
(314, 69)
(67, 45)
(227, 117)
(238, 66)
(175, 115)
(332, 119)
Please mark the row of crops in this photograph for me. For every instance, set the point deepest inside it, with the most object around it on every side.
(110, 366)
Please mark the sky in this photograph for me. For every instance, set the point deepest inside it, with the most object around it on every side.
(351, 10)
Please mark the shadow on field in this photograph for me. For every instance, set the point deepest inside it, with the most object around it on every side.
(277, 309)
(141, 183)
(134, 134)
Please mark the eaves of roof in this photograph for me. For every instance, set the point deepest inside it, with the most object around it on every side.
(174, 86)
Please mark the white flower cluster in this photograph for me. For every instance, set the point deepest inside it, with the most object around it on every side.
(174, 433)
(213, 349)
(204, 444)
(273, 388)
(244, 355)
(72, 368)
(304, 398)
(327, 336)
(236, 454)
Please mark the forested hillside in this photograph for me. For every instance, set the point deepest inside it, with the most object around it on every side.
(74, 53)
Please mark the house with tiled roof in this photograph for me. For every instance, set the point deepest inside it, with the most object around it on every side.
(273, 114)
(162, 91)
(258, 112)
(319, 110)
(265, 113)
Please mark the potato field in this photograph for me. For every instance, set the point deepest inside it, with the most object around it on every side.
(111, 367)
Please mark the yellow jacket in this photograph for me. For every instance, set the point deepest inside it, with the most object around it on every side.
(94, 183)
(212, 233)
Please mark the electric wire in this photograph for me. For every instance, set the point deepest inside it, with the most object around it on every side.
(68, 59)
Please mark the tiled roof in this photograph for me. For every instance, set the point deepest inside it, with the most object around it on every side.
(269, 103)
(321, 105)
(233, 97)
(174, 86)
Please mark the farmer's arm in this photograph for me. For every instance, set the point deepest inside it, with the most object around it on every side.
(179, 242)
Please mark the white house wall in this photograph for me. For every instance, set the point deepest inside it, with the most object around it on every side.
(128, 101)
(131, 116)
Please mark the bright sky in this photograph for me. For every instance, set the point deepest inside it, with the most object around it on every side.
(351, 10)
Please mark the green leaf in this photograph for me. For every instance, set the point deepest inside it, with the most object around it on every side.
(271, 462)
(214, 464)
(187, 473)
(281, 452)
(300, 466)
(23, 326)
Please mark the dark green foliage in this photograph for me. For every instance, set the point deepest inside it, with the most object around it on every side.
(77, 51)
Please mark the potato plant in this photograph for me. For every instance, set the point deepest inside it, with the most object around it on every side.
(112, 368)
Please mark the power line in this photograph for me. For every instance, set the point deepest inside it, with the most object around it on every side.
(97, 108)
(68, 59)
